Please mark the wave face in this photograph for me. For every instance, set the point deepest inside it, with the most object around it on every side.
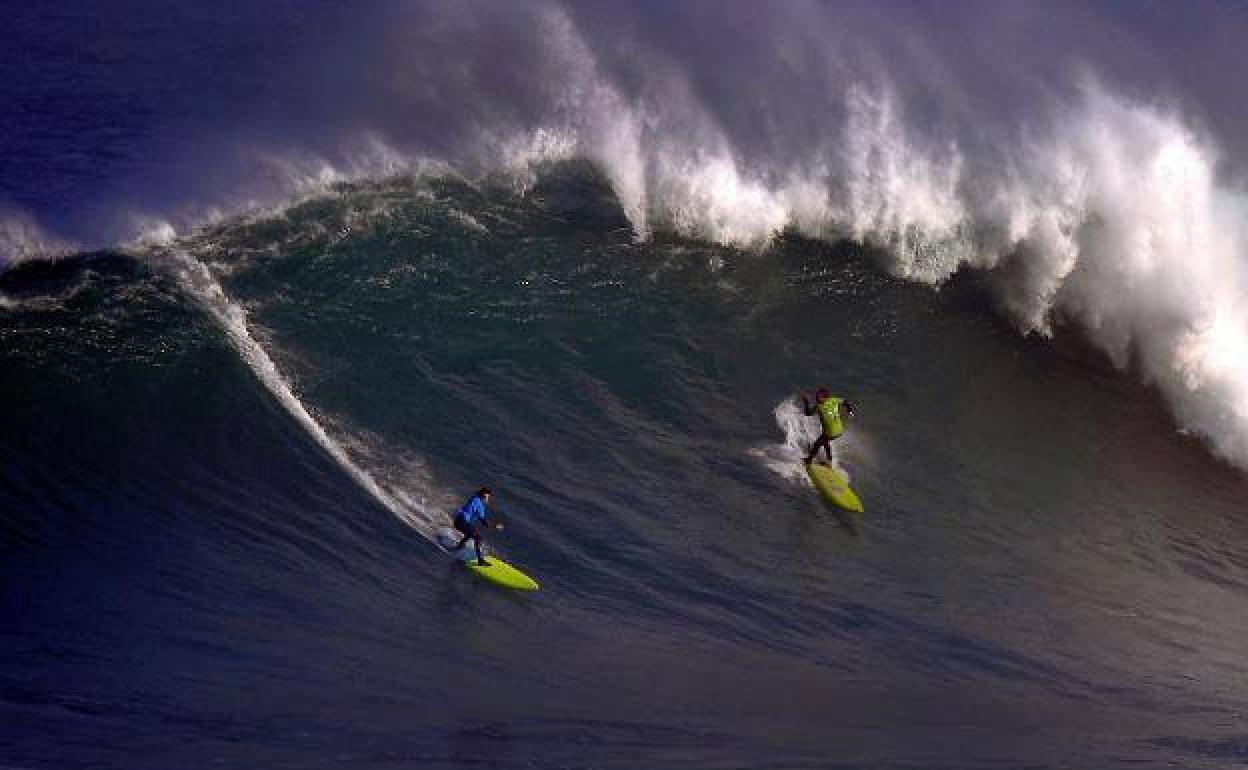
(224, 454)
(1090, 158)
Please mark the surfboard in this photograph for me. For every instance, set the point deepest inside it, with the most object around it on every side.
(833, 486)
(498, 572)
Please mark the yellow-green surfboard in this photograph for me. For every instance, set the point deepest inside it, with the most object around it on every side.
(501, 573)
(833, 486)
(496, 571)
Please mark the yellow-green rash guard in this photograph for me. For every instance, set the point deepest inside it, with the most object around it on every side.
(830, 415)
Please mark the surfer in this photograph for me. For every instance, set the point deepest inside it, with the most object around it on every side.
(831, 411)
(469, 519)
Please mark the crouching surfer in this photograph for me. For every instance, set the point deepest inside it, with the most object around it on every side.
(831, 411)
(471, 517)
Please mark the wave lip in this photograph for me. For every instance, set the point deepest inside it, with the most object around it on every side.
(22, 239)
(1125, 230)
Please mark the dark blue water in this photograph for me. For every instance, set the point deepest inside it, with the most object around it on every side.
(223, 453)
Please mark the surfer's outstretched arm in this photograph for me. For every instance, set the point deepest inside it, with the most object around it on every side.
(492, 518)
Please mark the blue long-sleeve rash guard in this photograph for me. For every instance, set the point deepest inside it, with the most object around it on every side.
(474, 510)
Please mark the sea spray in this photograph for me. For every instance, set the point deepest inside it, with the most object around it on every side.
(800, 431)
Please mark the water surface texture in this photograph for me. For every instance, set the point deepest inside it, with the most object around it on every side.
(283, 282)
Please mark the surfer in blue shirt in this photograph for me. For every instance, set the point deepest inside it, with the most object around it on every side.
(831, 411)
(473, 515)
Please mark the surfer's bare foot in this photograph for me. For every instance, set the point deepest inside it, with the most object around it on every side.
(482, 563)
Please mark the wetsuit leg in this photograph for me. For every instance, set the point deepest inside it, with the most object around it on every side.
(464, 529)
(827, 446)
(469, 533)
(822, 441)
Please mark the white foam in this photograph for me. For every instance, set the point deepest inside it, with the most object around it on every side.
(22, 239)
(786, 458)
(1126, 229)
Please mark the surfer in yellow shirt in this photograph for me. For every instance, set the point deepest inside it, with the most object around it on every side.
(831, 411)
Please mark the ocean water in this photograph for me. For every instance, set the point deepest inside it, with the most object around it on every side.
(240, 400)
